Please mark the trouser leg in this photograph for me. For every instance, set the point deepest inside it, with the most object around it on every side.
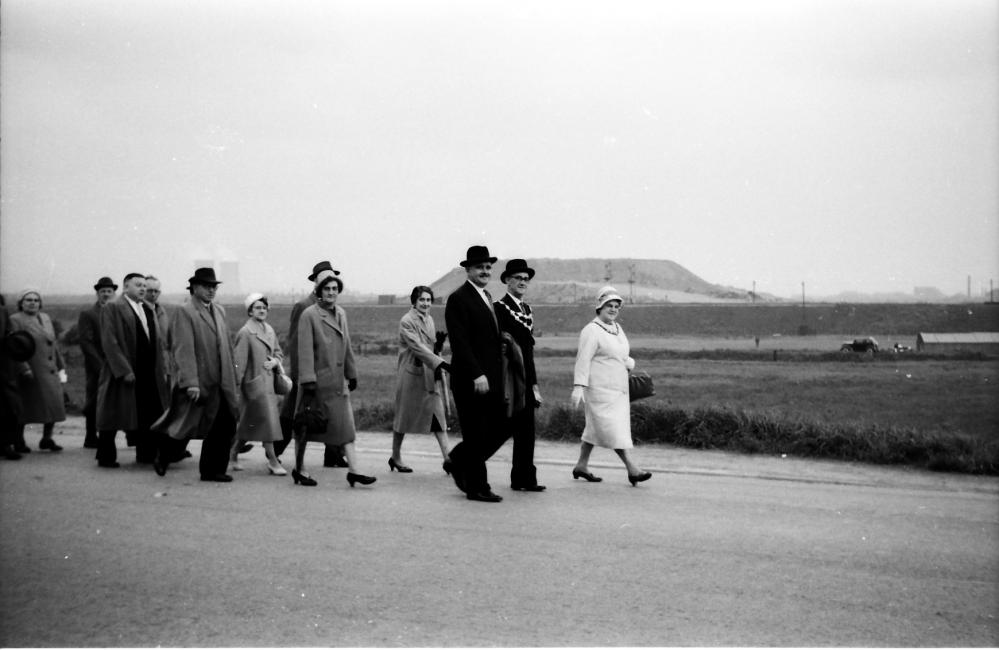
(215, 447)
(523, 472)
(107, 448)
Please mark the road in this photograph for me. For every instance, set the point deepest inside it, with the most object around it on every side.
(716, 549)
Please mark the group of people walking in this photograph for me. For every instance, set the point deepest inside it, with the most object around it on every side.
(165, 375)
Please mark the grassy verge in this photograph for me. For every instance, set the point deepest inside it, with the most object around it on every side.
(761, 433)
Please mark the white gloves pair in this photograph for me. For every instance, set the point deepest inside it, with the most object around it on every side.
(577, 396)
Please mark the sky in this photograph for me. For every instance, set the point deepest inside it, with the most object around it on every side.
(848, 145)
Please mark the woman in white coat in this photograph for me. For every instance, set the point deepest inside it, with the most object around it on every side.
(419, 406)
(600, 381)
(257, 357)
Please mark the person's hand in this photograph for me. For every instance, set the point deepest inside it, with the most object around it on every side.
(352, 384)
(537, 396)
(443, 367)
(193, 393)
(629, 363)
(481, 385)
(63, 377)
(129, 378)
(271, 363)
(577, 396)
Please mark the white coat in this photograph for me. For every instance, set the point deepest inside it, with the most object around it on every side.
(602, 365)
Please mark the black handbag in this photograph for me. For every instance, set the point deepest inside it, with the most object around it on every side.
(311, 416)
(282, 383)
(640, 386)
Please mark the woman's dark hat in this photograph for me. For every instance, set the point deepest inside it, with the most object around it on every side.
(105, 282)
(320, 267)
(19, 345)
(204, 276)
(516, 266)
(477, 255)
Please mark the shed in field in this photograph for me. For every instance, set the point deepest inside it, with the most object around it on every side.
(987, 342)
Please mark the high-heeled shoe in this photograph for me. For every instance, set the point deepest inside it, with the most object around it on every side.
(402, 469)
(638, 478)
(277, 470)
(578, 473)
(303, 479)
(360, 478)
(49, 443)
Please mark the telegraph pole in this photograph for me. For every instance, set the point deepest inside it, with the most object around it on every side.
(754, 292)
(631, 284)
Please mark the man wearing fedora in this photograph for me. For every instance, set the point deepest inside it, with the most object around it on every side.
(132, 392)
(333, 455)
(476, 376)
(516, 319)
(88, 328)
(202, 356)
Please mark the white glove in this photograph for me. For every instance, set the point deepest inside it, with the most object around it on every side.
(577, 397)
(629, 364)
(63, 378)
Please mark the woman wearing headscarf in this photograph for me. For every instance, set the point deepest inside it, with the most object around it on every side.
(257, 357)
(40, 378)
(600, 381)
(419, 406)
(326, 376)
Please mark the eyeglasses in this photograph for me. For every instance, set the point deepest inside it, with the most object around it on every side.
(520, 278)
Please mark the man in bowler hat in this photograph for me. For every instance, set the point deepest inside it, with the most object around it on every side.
(88, 328)
(333, 455)
(202, 354)
(476, 376)
(516, 319)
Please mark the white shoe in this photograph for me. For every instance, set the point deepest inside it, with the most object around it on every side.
(277, 470)
(236, 467)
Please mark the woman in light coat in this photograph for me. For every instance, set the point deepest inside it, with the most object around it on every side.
(257, 357)
(419, 406)
(40, 378)
(326, 376)
(600, 381)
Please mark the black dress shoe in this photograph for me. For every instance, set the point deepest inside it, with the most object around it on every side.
(90, 443)
(49, 443)
(528, 488)
(456, 474)
(360, 478)
(160, 466)
(339, 461)
(110, 464)
(217, 478)
(638, 478)
(304, 479)
(10, 454)
(22, 448)
(577, 473)
(244, 447)
(486, 496)
(399, 467)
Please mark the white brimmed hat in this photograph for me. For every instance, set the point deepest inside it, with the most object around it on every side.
(605, 295)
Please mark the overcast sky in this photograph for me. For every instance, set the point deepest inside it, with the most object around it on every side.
(847, 145)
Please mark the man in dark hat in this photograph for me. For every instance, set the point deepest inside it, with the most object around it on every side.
(516, 319)
(132, 381)
(202, 353)
(88, 327)
(333, 455)
(476, 376)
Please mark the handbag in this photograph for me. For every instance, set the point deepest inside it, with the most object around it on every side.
(311, 416)
(640, 386)
(282, 383)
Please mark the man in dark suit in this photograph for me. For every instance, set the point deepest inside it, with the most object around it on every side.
(88, 328)
(202, 354)
(515, 318)
(476, 376)
(333, 455)
(131, 382)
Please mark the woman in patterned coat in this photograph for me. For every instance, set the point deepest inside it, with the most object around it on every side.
(40, 378)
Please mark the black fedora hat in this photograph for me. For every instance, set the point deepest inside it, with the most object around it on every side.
(205, 276)
(320, 267)
(105, 282)
(516, 266)
(477, 255)
(19, 345)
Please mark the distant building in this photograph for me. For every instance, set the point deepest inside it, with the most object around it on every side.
(987, 342)
(386, 299)
(229, 275)
(927, 294)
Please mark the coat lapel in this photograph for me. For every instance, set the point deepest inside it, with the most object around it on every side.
(206, 316)
(329, 320)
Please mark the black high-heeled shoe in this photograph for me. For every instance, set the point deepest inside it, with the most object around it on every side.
(577, 473)
(299, 478)
(49, 443)
(402, 469)
(360, 478)
(638, 478)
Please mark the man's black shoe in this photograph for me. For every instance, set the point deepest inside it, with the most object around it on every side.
(338, 461)
(217, 478)
(110, 464)
(528, 488)
(486, 496)
(455, 472)
(90, 443)
(244, 447)
(160, 466)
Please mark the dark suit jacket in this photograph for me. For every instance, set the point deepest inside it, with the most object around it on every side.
(88, 327)
(476, 348)
(506, 310)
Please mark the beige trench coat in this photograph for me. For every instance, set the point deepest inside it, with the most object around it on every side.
(258, 410)
(324, 357)
(416, 397)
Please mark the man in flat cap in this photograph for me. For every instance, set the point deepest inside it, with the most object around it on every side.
(88, 327)
(476, 376)
(202, 356)
(333, 455)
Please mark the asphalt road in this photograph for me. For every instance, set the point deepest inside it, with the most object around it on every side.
(716, 549)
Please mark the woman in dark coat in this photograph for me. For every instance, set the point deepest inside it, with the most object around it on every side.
(326, 375)
(40, 378)
(419, 406)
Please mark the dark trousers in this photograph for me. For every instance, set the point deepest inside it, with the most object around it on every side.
(215, 447)
(145, 445)
(90, 407)
(483, 431)
(523, 473)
